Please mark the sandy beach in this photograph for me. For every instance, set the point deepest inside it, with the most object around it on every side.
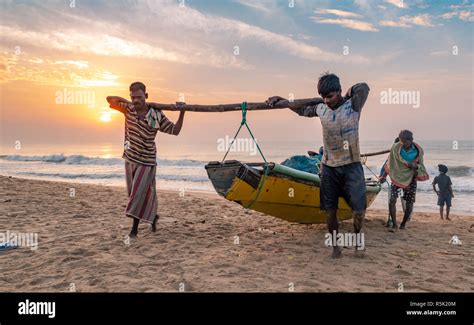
(206, 244)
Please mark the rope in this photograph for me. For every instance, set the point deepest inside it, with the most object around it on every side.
(243, 106)
(364, 161)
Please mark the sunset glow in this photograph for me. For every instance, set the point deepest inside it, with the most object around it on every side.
(105, 117)
(58, 63)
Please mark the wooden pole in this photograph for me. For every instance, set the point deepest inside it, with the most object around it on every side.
(375, 153)
(236, 107)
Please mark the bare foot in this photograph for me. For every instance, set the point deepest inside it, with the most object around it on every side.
(447, 218)
(358, 222)
(153, 225)
(336, 252)
(394, 228)
(360, 253)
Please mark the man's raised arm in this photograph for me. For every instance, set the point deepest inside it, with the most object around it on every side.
(303, 107)
(118, 103)
(358, 95)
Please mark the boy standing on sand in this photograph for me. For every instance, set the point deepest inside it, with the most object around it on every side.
(342, 173)
(142, 123)
(445, 192)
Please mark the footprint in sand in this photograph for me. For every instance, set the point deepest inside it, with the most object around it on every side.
(469, 269)
(70, 258)
(168, 220)
(82, 252)
(80, 216)
(401, 272)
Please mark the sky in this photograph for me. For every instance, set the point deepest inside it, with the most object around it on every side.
(60, 59)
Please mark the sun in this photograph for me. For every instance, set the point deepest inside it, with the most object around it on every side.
(105, 117)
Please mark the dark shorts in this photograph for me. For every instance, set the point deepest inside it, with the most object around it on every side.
(444, 199)
(409, 193)
(345, 181)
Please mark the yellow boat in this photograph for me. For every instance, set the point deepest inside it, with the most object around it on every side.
(285, 193)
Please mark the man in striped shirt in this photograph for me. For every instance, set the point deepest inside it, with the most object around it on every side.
(142, 123)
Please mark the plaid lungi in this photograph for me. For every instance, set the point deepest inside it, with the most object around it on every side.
(141, 189)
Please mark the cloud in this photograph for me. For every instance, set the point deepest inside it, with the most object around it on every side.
(362, 3)
(78, 64)
(336, 12)
(391, 23)
(262, 6)
(166, 32)
(462, 12)
(48, 71)
(397, 3)
(193, 21)
(349, 23)
(108, 45)
(343, 18)
(98, 43)
(291, 46)
(409, 21)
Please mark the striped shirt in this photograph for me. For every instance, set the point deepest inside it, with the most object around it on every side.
(139, 145)
(340, 126)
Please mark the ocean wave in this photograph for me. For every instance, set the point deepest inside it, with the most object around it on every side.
(453, 171)
(72, 176)
(85, 160)
(186, 178)
(49, 158)
(60, 158)
(181, 163)
(463, 185)
(167, 177)
(459, 189)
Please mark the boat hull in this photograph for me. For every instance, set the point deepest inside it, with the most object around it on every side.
(286, 194)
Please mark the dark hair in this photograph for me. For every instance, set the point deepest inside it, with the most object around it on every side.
(138, 86)
(328, 82)
(406, 135)
(397, 140)
(443, 168)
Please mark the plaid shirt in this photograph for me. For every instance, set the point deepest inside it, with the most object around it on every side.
(340, 126)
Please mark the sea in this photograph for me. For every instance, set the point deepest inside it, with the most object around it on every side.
(181, 167)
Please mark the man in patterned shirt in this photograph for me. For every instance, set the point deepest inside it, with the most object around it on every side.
(342, 174)
(142, 122)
